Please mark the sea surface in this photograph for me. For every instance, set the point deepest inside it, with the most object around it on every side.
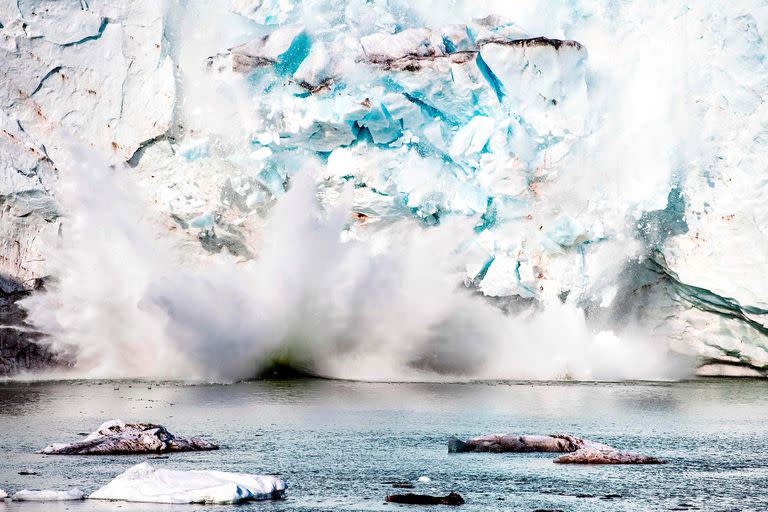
(339, 445)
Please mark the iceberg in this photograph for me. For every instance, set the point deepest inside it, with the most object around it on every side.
(74, 494)
(117, 437)
(146, 484)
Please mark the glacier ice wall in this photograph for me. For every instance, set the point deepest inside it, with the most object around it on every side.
(381, 189)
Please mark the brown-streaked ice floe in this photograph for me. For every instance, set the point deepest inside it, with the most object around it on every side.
(116, 437)
(575, 449)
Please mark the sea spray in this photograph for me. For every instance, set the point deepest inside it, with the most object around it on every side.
(131, 304)
(407, 290)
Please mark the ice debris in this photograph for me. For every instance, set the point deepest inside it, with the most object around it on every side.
(49, 495)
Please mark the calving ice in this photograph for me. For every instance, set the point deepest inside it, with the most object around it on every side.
(381, 191)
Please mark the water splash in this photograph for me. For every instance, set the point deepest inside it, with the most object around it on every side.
(132, 304)
(326, 295)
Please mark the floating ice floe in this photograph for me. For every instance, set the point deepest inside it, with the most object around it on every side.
(578, 451)
(118, 437)
(49, 495)
(146, 484)
(3, 494)
(596, 455)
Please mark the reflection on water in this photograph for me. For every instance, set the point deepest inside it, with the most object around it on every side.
(18, 399)
(338, 443)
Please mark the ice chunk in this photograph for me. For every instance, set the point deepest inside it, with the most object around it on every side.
(273, 48)
(472, 137)
(3, 494)
(383, 48)
(147, 484)
(205, 221)
(194, 149)
(565, 232)
(265, 12)
(456, 38)
(452, 88)
(118, 437)
(49, 495)
(495, 28)
(317, 70)
(541, 79)
(503, 278)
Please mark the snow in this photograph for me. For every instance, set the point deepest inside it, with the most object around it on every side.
(49, 495)
(148, 484)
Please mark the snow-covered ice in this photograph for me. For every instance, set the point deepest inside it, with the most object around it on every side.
(148, 484)
(49, 495)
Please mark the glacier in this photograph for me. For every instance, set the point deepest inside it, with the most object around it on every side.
(378, 189)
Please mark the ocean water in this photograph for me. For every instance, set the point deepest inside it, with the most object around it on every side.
(338, 444)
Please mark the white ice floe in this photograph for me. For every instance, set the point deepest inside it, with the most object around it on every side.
(147, 484)
(48, 495)
(3, 494)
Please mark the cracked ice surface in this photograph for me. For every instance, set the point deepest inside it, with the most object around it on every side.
(614, 169)
(101, 74)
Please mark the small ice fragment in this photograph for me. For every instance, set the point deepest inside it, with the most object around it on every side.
(194, 149)
(424, 479)
(49, 495)
(204, 221)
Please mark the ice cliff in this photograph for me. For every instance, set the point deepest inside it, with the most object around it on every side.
(590, 168)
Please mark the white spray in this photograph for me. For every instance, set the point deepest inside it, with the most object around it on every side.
(132, 303)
